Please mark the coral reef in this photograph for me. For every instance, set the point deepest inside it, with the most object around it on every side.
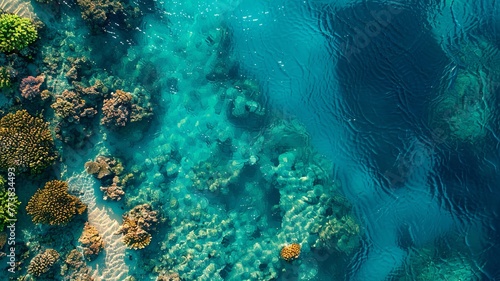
(137, 224)
(71, 107)
(74, 267)
(26, 143)
(102, 167)
(6, 74)
(30, 86)
(42, 262)
(290, 252)
(97, 12)
(214, 175)
(53, 205)
(77, 68)
(92, 242)
(169, 277)
(114, 191)
(120, 109)
(109, 171)
(16, 33)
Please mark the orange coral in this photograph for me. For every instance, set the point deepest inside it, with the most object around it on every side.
(53, 205)
(290, 252)
(92, 242)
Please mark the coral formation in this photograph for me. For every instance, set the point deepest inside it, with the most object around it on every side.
(30, 86)
(26, 143)
(290, 252)
(42, 262)
(137, 224)
(16, 33)
(76, 267)
(53, 205)
(109, 170)
(92, 242)
(114, 191)
(5, 77)
(213, 175)
(71, 107)
(119, 110)
(169, 277)
(77, 68)
(97, 12)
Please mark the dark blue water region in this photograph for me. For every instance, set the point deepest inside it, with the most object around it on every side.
(396, 95)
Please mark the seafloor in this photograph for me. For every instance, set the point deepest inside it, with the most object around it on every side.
(250, 140)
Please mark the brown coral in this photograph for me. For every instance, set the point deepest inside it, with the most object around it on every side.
(100, 168)
(136, 226)
(169, 277)
(92, 242)
(42, 262)
(25, 143)
(53, 205)
(71, 107)
(116, 110)
(30, 86)
(120, 109)
(75, 268)
(290, 252)
(114, 191)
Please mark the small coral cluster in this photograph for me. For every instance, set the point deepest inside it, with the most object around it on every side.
(290, 252)
(53, 205)
(71, 107)
(16, 33)
(92, 242)
(214, 176)
(137, 225)
(109, 171)
(120, 109)
(25, 143)
(42, 262)
(5, 77)
(75, 268)
(30, 86)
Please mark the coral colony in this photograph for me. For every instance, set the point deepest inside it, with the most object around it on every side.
(133, 147)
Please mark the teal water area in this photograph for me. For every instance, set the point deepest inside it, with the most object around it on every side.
(365, 132)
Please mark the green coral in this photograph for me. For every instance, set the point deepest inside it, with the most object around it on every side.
(26, 143)
(16, 33)
(5, 81)
(9, 204)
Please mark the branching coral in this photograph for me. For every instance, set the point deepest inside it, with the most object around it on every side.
(136, 226)
(71, 107)
(25, 143)
(6, 74)
(53, 205)
(119, 110)
(42, 262)
(116, 110)
(290, 252)
(16, 33)
(30, 86)
(97, 12)
(114, 191)
(92, 242)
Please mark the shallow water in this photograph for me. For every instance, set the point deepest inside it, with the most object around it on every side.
(366, 132)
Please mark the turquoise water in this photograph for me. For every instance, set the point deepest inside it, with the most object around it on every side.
(365, 132)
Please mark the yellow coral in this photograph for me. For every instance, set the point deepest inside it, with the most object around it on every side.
(25, 143)
(290, 252)
(137, 240)
(53, 205)
(42, 262)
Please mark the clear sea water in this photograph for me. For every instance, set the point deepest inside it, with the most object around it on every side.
(366, 131)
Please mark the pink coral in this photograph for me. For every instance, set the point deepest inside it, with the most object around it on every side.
(30, 86)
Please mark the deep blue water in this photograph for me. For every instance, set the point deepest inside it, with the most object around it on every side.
(366, 78)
